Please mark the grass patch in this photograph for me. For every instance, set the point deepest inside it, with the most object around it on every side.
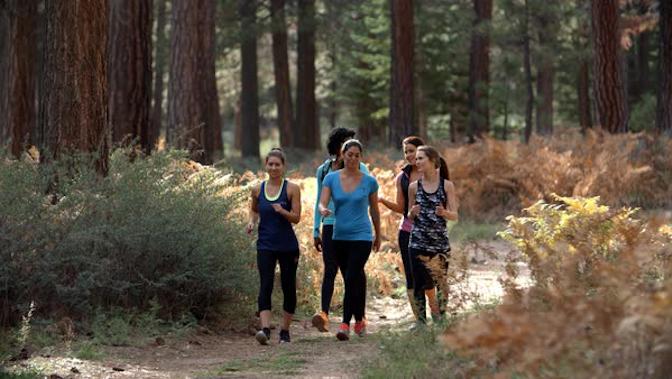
(415, 355)
(20, 375)
(467, 231)
(284, 363)
(88, 351)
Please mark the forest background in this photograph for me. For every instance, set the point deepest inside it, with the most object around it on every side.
(129, 127)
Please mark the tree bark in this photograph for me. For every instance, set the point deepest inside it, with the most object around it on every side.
(193, 108)
(664, 107)
(212, 132)
(529, 105)
(402, 96)
(283, 94)
(609, 83)
(249, 87)
(130, 71)
(479, 71)
(307, 135)
(4, 73)
(74, 106)
(22, 51)
(583, 95)
(160, 52)
(546, 70)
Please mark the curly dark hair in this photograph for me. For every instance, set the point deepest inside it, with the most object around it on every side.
(336, 138)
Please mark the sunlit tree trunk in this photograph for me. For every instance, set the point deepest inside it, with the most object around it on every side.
(609, 82)
(74, 105)
(130, 71)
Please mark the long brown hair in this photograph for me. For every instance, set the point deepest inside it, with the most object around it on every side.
(436, 158)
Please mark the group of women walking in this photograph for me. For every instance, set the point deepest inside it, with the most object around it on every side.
(347, 228)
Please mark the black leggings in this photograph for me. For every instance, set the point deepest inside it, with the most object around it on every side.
(330, 267)
(424, 280)
(266, 261)
(351, 257)
(406, 257)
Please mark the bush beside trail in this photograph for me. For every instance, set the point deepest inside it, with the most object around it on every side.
(154, 230)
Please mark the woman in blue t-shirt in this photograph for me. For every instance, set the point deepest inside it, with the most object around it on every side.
(323, 241)
(355, 197)
(276, 205)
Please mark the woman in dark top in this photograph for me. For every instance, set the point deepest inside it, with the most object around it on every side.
(409, 174)
(276, 205)
(432, 202)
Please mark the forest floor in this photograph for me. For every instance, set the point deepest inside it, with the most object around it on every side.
(206, 354)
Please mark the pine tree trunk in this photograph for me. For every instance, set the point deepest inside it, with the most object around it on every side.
(249, 90)
(583, 95)
(307, 135)
(184, 103)
(74, 107)
(479, 71)
(23, 47)
(641, 83)
(193, 108)
(160, 57)
(609, 82)
(527, 66)
(211, 133)
(283, 94)
(664, 108)
(130, 71)
(546, 70)
(4, 73)
(402, 99)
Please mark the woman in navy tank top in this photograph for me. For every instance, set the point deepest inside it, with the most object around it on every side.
(276, 205)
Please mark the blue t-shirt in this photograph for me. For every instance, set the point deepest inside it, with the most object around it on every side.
(329, 220)
(351, 209)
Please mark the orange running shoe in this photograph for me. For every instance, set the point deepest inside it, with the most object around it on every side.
(360, 328)
(343, 332)
(321, 322)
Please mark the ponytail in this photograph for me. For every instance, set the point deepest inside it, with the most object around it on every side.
(443, 169)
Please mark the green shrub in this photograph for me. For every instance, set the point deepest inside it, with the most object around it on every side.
(156, 229)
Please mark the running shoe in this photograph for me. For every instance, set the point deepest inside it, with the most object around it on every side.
(284, 336)
(360, 328)
(263, 336)
(321, 322)
(343, 332)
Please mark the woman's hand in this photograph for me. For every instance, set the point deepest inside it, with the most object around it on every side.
(277, 207)
(324, 211)
(376, 243)
(317, 242)
(249, 228)
(414, 211)
(441, 211)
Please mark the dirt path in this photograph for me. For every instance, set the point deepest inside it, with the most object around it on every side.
(310, 355)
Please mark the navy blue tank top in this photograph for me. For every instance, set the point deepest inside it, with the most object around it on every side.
(275, 232)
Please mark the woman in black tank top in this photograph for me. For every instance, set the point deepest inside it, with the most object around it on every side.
(403, 180)
(432, 202)
(275, 206)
